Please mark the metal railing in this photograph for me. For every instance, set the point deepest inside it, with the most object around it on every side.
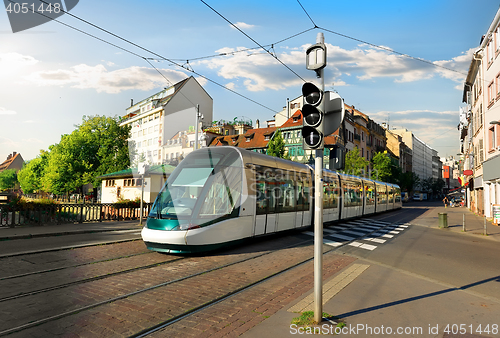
(69, 213)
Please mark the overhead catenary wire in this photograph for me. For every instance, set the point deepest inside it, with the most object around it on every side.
(140, 47)
(258, 44)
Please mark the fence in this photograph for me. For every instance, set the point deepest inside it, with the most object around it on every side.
(69, 213)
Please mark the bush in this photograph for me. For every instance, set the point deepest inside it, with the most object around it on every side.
(125, 203)
(24, 204)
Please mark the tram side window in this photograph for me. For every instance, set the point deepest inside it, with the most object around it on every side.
(272, 191)
(352, 194)
(381, 194)
(330, 193)
(224, 194)
(370, 194)
(260, 191)
(303, 194)
(288, 199)
(358, 193)
(335, 192)
(398, 195)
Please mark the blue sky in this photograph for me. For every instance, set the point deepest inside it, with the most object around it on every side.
(52, 75)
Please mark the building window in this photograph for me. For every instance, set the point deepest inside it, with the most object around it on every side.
(492, 141)
(491, 93)
(110, 183)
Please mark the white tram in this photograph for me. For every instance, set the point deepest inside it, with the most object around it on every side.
(222, 195)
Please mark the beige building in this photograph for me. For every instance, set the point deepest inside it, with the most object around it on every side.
(400, 150)
(480, 124)
(14, 161)
(158, 118)
(423, 161)
(127, 184)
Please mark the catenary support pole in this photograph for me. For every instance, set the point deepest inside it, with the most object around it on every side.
(463, 222)
(318, 217)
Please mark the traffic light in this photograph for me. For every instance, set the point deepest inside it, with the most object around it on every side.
(312, 117)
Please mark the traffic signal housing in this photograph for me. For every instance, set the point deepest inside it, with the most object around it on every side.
(322, 115)
(312, 117)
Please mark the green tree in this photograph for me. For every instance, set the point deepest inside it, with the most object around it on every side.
(276, 146)
(8, 179)
(354, 163)
(99, 146)
(381, 167)
(409, 181)
(437, 186)
(30, 176)
(426, 184)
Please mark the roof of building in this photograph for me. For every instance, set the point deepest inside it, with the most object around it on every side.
(159, 169)
(256, 138)
(7, 164)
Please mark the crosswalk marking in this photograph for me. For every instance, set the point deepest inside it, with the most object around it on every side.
(347, 238)
(359, 231)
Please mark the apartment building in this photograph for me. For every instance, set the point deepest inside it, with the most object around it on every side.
(425, 162)
(480, 123)
(155, 120)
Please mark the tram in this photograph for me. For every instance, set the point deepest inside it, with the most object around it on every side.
(220, 196)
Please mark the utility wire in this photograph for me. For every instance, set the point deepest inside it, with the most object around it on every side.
(315, 26)
(248, 36)
(140, 47)
(392, 51)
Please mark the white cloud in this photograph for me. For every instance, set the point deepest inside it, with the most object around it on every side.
(5, 111)
(242, 26)
(11, 63)
(99, 78)
(253, 68)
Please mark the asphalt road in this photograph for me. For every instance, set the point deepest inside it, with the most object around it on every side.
(469, 263)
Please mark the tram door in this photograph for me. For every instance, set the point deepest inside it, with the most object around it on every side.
(265, 211)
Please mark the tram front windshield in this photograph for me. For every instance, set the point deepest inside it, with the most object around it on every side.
(207, 184)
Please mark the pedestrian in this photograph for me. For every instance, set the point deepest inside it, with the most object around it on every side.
(445, 200)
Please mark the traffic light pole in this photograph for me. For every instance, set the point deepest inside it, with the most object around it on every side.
(318, 216)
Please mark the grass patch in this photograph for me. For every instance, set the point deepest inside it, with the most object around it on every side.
(307, 318)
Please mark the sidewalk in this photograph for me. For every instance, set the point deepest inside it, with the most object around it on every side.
(474, 224)
(380, 301)
(32, 231)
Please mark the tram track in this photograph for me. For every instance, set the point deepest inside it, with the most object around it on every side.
(185, 282)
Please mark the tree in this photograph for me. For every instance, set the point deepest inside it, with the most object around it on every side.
(99, 146)
(409, 181)
(8, 179)
(354, 163)
(437, 186)
(381, 167)
(426, 184)
(276, 146)
(30, 176)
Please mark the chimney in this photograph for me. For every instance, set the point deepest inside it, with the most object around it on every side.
(9, 156)
(131, 102)
(14, 153)
(257, 124)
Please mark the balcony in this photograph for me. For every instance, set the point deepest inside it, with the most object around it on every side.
(357, 137)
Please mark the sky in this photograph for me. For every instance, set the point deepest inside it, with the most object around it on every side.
(399, 62)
